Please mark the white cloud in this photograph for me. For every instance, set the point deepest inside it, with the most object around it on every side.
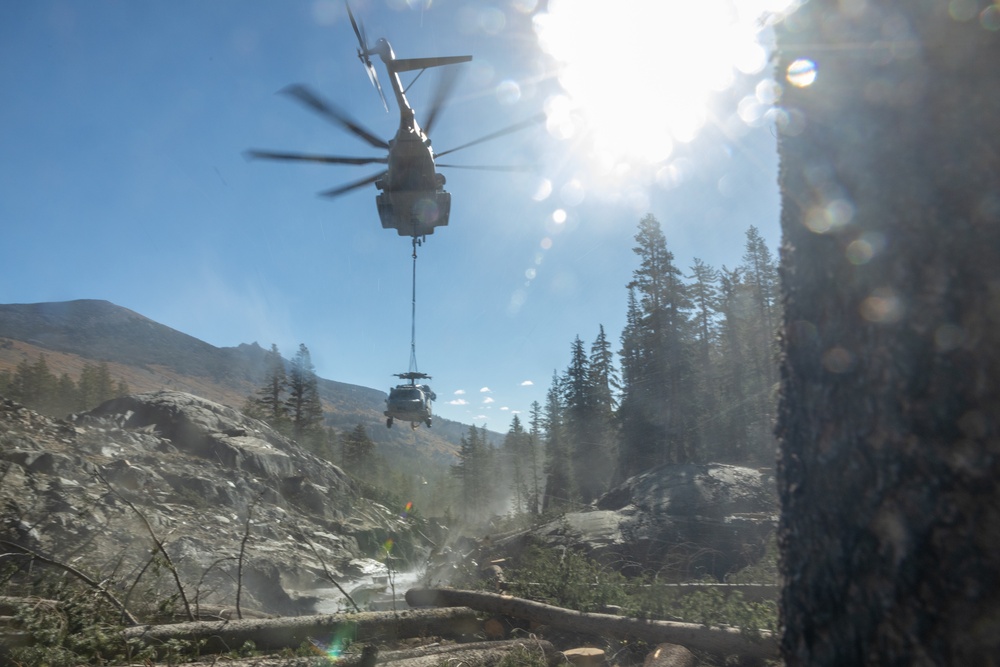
(505, 408)
(485, 390)
(527, 383)
(460, 392)
(488, 399)
(458, 401)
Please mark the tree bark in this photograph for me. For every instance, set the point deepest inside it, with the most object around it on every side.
(720, 641)
(276, 633)
(890, 445)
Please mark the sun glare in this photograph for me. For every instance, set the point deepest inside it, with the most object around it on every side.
(642, 74)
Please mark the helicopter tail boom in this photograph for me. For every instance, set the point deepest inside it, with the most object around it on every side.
(411, 64)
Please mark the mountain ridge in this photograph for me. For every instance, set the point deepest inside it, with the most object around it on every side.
(149, 356)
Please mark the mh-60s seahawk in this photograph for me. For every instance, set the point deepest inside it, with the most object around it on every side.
(413, 200)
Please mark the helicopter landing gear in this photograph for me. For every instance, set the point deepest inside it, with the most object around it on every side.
(428, 422)
(414, 425)
(388, 422)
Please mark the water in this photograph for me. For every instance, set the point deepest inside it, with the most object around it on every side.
(371, 592)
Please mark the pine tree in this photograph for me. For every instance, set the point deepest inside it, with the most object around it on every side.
(515, 449)
(760, 280)
(357, 452)
(6, 383)
(603, 374)
(535, 469)
(733, 386)
(586, 426)
(658, 417)
(66, 395)
(558, 474)
(473, 472)
(704, 290)
(269, 402)
(95, 386)
(303, 404)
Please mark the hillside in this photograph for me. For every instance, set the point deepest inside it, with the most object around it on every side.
(150, 356)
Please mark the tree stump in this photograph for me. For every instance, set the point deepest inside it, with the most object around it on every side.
(585, 656)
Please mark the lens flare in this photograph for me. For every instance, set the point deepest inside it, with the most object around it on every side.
(334, 647)
(801, 73)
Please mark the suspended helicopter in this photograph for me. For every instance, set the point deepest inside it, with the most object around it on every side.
(410, 402)
(412, 197)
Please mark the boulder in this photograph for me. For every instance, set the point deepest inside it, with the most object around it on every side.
(681, 522)
(195, 471)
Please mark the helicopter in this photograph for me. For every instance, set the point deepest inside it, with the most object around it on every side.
(410, 402)
(412, 197)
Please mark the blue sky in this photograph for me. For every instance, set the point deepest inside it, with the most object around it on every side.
(122, 175)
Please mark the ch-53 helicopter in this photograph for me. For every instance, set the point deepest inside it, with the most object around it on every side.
(413, 200)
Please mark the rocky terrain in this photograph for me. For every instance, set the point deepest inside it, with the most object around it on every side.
(681, 522)
(207, 482)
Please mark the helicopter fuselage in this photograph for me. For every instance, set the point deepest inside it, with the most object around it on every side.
(413, 199)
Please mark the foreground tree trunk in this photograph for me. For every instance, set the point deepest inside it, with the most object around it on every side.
(720, 641)
(890, 448)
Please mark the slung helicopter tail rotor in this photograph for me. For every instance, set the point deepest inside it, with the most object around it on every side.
(364, 52)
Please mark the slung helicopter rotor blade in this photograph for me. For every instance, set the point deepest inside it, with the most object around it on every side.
(354, 185)
(486, 167)
(534, 120)
(309, 157)
(449, 77)
(332, 113)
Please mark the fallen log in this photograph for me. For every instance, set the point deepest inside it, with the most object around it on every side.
(478, 654)
(481, 654)
(720, 641)
(277, 633)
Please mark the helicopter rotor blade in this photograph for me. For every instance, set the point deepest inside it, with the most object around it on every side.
(373, 77)
(363, 54)
(308, 157)
(534, 120)
(486, 167)
(332, 113)
(354, 185)
(446, 83)
(357, 31)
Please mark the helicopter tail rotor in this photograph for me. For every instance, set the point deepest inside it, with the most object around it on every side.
(363, 55)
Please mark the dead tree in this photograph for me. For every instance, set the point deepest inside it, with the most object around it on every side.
(720, 641)
(890, 448)
(278, 633)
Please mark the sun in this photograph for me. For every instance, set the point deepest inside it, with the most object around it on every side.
(642, 74)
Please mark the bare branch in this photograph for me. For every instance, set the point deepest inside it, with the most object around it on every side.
(157, 542)
(24, 551)
(327, 571)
